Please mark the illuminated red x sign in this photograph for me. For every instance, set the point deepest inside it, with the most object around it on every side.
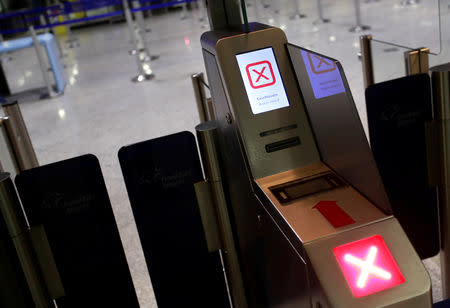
(260, 74)
(368, 266)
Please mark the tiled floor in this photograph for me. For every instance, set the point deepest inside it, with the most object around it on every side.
(102, 110)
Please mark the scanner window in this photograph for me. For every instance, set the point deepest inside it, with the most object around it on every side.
(292, 190)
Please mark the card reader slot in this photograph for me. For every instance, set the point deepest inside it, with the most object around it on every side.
(293, 190)
(277, 130)
(283, 144)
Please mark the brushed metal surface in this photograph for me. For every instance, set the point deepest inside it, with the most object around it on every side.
(306, 221)
(339, 134)
(366, 59)
(208, 143)
(8, 160)
(242, 206)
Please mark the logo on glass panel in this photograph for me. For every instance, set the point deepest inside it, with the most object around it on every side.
(320, 65)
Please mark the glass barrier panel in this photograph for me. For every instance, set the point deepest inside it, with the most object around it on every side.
(443, 56)
(388, 60)
(404, 23)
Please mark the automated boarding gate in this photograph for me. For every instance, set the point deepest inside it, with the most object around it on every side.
(308, 210)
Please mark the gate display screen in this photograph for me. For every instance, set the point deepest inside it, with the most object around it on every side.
(368, 266)
(262, 80)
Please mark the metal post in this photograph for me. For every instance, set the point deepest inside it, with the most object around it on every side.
(141, 31)
(71, 40)
(42, 65)
(359, 26)
(139, 16)
(199, 92)
(133, 36)
(8, 159)
(416, 61)
(47, 30)
(129, 20)
(16, 224)
(144, 70)
(321, 19)
(440, 76)
(366, 59)
(297, 14)
(43, 22)
(184, 13)
(207, 138)
(20, 139)
(204, 17)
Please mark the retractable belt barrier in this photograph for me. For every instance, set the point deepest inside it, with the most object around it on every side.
(74, 7)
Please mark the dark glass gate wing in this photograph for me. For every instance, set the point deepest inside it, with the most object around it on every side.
(69, 198)
(160, 175)
(397, 112)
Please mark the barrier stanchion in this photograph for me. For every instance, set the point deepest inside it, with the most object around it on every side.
(199, 91)
(359, 26)
(141, 31)
(133, 37)
(130, 25)
(204, 18)
(138, 15)
(40, 57)
(71, 40)
(320, 19)
(144, 70)
(184, 14)
(44, 23)
(365, 42)
(298, 13)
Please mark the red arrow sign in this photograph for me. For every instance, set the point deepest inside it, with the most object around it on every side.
(334, 214)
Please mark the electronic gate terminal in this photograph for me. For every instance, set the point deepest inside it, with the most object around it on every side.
(312, 223)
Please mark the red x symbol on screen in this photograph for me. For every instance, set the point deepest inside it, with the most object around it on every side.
(321, 60)
(260, 74)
